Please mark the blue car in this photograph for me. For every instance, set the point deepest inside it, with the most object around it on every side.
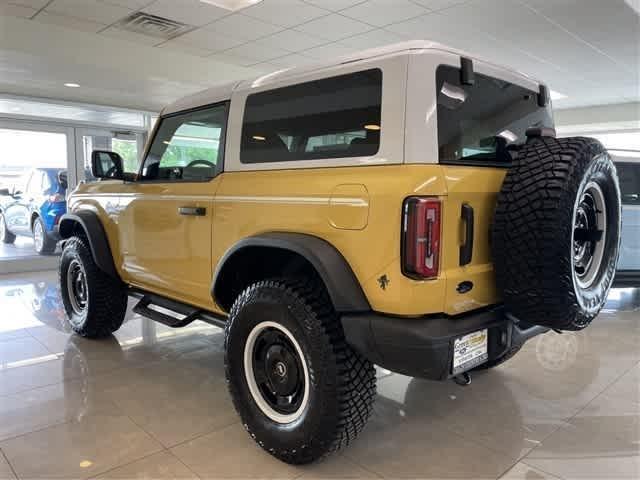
(34, 208)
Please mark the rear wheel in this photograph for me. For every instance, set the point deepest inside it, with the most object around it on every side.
(42, 242)
(5, 235)
(95, 303)
(300, 389)
(556, 233)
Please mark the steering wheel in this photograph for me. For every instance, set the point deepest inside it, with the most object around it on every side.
(200, 162)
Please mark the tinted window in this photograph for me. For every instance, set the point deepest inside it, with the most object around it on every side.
(483, 123)
(629, 175)
(187, 146)
(330, 118)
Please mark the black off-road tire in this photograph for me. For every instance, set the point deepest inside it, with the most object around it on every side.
(7, 236)
(342, 382)
(48, 243)
(533, 234)
(107, 297)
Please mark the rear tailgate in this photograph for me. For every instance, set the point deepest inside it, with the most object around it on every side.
(470, 281)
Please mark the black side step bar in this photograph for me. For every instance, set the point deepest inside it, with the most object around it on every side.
(187, 313)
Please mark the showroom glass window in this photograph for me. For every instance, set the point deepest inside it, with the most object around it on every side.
(330, 118)
(483, 123)
(188, 146)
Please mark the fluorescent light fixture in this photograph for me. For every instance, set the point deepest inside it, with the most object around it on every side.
(232, 5)
(372, 127)
(260, 138)
(72, 85)
(556, 95)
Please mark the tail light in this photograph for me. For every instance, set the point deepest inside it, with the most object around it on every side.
(421, 237)
(56, 197)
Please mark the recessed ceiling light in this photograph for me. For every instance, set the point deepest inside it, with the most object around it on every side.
(372, 127)
(72, 85)
(259, 138)
(556, 95)
(232, 5)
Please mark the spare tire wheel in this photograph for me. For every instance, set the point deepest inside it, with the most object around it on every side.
(555, 237)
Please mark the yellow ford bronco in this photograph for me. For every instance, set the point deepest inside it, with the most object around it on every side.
(408, 207)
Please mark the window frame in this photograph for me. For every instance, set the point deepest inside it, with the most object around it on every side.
(221, 148)
(636, 166)
(297, 161)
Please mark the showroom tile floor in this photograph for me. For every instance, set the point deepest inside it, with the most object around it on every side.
(151, 402)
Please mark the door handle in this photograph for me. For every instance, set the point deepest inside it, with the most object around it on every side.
(193, 211)
(466, 249)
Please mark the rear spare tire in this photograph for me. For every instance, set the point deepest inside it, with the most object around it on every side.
(555, 237)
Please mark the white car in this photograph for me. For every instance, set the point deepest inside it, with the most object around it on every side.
(628, 274)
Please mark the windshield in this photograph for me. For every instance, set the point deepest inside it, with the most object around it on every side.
(484, 123)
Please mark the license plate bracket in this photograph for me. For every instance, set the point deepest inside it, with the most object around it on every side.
(469, 351)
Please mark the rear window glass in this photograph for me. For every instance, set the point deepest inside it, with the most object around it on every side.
(629, 176)
(484, 123)
(329, 118)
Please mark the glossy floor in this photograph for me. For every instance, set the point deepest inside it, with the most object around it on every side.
(151, 402)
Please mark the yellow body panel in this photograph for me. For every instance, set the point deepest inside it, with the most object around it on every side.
(356, 209)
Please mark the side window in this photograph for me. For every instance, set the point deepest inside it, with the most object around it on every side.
(188, 146)
(629, 175)
(335, 117)
(35, 184)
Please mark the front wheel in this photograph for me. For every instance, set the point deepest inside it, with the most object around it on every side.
(42, 242)
(302, 392)
(95, 303)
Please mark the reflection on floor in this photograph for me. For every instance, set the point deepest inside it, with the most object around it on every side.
(151, 402)
(20, 256)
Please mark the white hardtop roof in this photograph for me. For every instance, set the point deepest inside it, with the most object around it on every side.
(223, 92)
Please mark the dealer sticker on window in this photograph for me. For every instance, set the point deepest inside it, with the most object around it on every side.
(469, 351)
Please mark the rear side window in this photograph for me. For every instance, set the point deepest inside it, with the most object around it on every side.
(629, 175)
(330, 118)
(484, 123)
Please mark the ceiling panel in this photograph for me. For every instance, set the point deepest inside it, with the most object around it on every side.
(329, 51)
(132, 4)
(292, 41)
(69, 22)
(384, 12)
(287, 13)
(586, 19)
(522, 28)
(92, 10)
(335, 5)
(20, 11)
(289, 61)
(254, 53)
(133, 37)
(438, 4)
(334, 27)
(242, 27)
(208, 39)
(37, 4)
(192, 12)
(179, 46)
(372, 39)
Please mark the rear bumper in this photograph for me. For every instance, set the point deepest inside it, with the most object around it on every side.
(626, 279)
(423, 347)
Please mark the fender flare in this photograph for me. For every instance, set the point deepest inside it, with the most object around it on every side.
(96, 236)
(342, 285)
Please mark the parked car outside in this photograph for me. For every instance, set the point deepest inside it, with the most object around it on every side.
(628, 274)
(33, 208)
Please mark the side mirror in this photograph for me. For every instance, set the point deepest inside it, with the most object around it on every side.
(63, 179)
(107, 165)
(5, 192)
